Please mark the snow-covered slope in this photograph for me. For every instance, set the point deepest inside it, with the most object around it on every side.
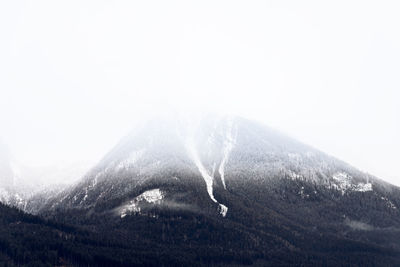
(209, 155)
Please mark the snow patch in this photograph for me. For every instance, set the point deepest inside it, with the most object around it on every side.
(223, 210)
(151, 196)
(154, 196)
(343, 183)
(363, 187)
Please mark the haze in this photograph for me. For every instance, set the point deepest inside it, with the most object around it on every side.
(76, 75)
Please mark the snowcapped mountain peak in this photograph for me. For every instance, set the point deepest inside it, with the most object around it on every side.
(205, 158)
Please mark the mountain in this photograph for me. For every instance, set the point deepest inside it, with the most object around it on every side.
(223, 190)
(213, 155)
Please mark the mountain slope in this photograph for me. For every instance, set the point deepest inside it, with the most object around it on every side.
(231, 184)
(214, 154)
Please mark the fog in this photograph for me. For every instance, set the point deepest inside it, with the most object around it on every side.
(76, 75)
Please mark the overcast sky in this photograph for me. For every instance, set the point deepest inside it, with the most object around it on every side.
(75, 75)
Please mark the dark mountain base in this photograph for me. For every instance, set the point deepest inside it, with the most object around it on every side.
(265, 226)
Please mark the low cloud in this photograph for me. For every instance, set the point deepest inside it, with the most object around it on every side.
(357, 225)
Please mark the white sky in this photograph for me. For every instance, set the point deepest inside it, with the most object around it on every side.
(74, 75)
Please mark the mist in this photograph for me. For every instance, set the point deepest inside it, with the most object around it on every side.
(76, 76)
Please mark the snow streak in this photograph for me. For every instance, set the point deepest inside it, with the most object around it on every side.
(207, 178)
(229, 143)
